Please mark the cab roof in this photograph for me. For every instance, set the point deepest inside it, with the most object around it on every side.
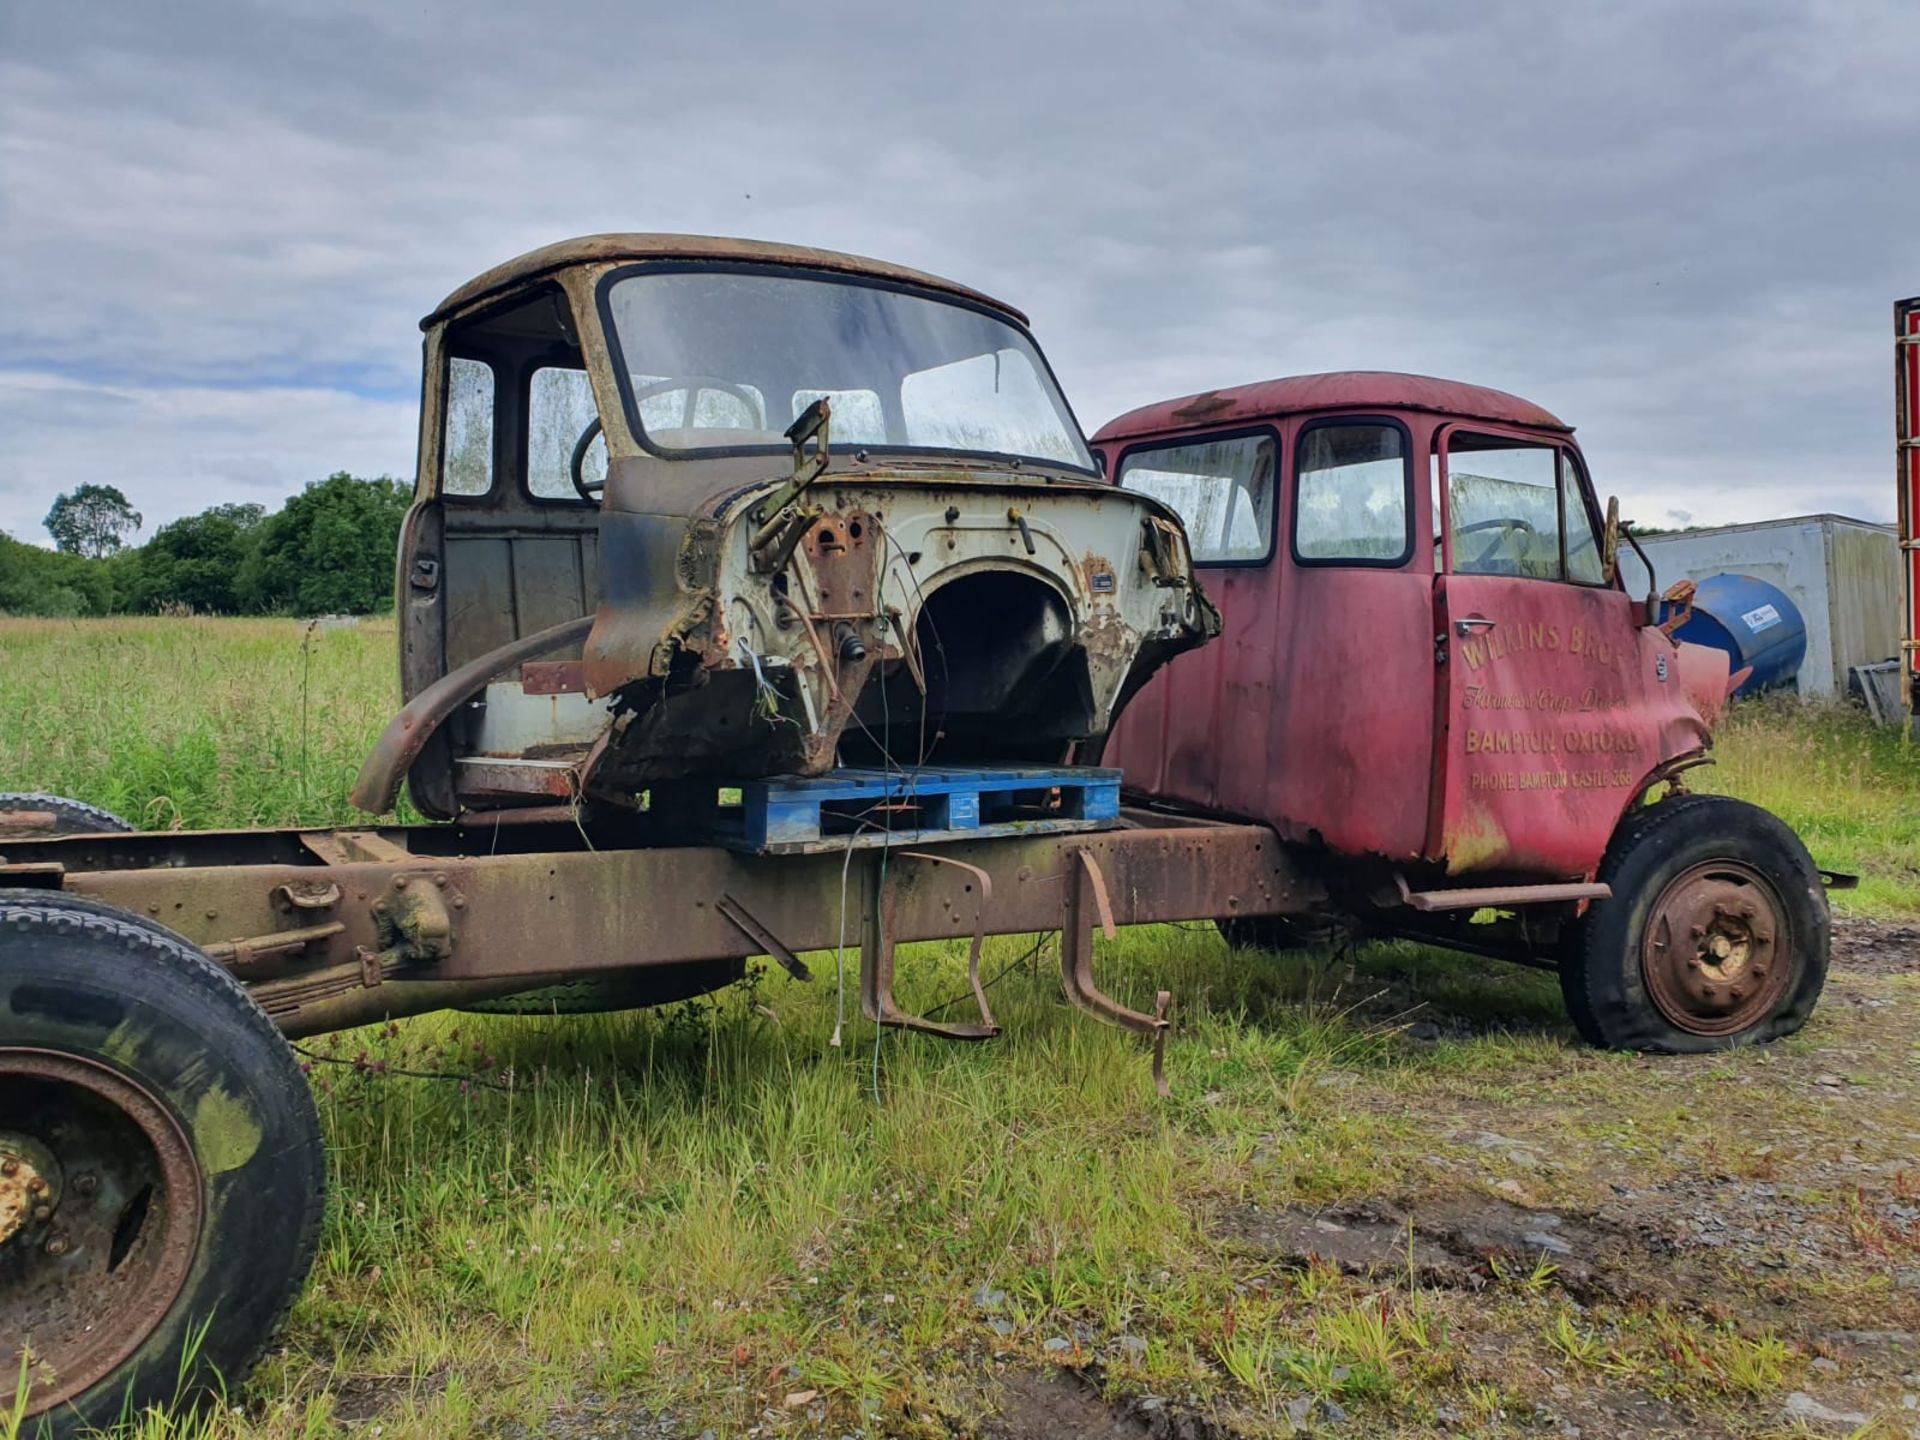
(600, 249)
(1386, 390)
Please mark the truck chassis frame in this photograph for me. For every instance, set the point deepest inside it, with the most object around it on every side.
(330, 929)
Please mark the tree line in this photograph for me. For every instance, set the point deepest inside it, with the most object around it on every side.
(327, 550)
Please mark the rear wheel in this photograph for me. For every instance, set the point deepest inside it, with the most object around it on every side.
(1717, 933)
(1280, 932)
(161, 1166)
(26, 815)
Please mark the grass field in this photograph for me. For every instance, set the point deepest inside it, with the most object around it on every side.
(711, 1219)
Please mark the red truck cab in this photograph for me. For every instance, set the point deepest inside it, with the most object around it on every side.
(1429, 670)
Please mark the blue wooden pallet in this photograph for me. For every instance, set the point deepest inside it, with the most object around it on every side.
(791, 814)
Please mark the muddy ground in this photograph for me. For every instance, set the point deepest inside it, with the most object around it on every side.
(1774, 1193)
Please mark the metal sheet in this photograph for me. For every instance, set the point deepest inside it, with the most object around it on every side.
(1906, 325)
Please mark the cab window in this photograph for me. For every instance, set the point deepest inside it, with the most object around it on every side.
(1222, 489)
(1516, 509)
(466, 447)
(1583, 544)
(1350, 499)
(559, 409)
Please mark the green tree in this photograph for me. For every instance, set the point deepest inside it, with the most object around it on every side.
(44, 582)
(331, 550)
(197, 561)
(92, 520)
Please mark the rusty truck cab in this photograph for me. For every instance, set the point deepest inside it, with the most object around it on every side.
(1428, 656)
(692, 510)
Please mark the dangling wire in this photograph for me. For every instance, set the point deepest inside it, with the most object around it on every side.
(840, 951)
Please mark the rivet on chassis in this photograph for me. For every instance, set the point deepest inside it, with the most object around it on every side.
(43, 1212)
(85, 1185)
(56, 1245)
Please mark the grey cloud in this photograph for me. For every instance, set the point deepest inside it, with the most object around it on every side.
(1679, 227)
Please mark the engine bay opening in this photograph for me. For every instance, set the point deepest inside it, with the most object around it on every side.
(1006, 680)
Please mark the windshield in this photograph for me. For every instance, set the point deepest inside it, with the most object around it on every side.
(716, 359)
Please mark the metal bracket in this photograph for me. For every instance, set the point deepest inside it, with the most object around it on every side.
(318, 897)
(413, 922)
(787, 522)
(876, 959)
(1086, 901)
(743, 921)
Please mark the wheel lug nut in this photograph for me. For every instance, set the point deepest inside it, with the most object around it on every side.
(9, 1166)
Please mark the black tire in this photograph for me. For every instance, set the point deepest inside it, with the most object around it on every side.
(128, 1002)
(1280, 932)
(70, 817)
(1618, 986)
(636, 989)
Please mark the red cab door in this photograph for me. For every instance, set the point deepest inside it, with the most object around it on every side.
(1543, 729)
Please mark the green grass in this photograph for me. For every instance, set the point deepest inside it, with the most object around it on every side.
(1850, 788)
(707, 1210)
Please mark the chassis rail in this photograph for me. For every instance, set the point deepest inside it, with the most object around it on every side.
(335, 928)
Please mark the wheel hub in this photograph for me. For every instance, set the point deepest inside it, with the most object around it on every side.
(99, 1220)
(1716, 956)
(29, 1184)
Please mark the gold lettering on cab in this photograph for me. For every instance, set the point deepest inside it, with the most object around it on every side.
(1479, 697)
(1549, 742)
(1504, 640)
(1553, 780)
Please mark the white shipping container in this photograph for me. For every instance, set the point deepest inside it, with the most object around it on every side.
(1844, 574)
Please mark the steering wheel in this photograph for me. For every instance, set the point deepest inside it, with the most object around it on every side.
(694, 385)
(1510, 528)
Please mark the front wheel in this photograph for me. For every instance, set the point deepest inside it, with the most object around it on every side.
(1716, 935)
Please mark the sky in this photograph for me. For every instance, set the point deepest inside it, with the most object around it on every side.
(1679, 227)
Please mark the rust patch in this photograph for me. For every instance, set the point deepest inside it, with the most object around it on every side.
(553, 677)
(1204, 407)
(841, 550)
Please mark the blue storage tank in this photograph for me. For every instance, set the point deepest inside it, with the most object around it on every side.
(1754, 622)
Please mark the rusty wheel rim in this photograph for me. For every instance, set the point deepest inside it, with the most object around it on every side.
(99, 1220)
(1717, 952)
